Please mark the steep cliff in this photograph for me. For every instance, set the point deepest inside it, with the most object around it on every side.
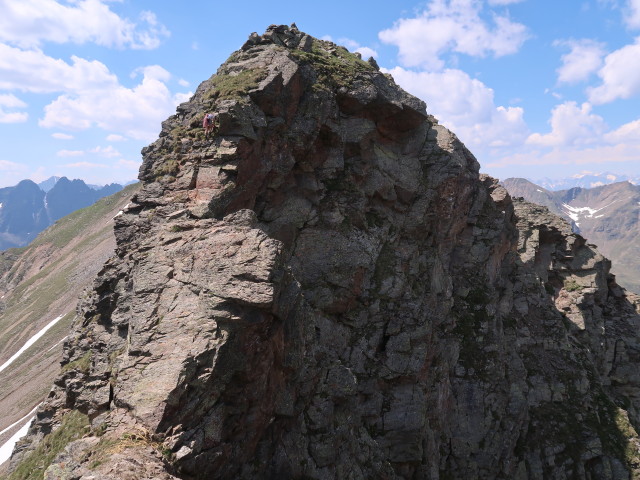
(327, 288)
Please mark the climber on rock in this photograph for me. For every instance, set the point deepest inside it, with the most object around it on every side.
(209, 123)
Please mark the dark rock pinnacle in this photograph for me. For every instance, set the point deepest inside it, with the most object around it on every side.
(328, 289)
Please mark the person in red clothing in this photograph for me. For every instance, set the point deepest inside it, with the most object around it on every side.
(209, 123)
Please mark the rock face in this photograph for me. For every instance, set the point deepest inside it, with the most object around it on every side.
(328, 289)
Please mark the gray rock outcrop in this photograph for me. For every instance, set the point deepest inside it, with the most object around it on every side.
(328, 289)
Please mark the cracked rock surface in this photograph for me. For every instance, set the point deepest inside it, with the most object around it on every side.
(328, 289)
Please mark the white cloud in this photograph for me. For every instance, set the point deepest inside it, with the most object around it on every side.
(183, 83)
(152, 72)
(108, 152)
(593, 156)
(503, 2)
(584, 59)
(89, 87)
(620, 75)
(354, 46)
(128, 164)
(179, 98)
(62, 136)
(115, 138)
(135, 112)
(456, 26)
(11, 173)
(10, 102)
(577, 137)
(13, 117)
(468, 107)
(85, 165)
(632, 14)
(29, 23)
(70, 153)
(367, 52)
(7, 166)
(571, 125)
(629, 133)
(33, 71)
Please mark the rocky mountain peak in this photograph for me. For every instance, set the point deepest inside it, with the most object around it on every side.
(327, 288)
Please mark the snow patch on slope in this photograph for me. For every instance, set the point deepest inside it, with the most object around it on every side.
(30, 342)
(7, 447)
(576, 213)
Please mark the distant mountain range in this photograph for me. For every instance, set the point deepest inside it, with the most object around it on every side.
(586, 180)
(606, 215)
(28, 208)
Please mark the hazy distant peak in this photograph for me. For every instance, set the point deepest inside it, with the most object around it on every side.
(48, 184)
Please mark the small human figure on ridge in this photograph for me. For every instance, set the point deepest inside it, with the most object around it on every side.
(209, 123)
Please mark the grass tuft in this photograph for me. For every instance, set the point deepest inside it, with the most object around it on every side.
(32, 467)
(232, 85)
(335, 66)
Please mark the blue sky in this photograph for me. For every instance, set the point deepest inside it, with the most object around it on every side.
(534, 88)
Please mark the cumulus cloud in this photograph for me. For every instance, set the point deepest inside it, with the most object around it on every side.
(620, 75)
(62, 136)
(632, 14)
(108, 151)
(85, 165)
(367, 52)
(115, 138)
(577, 137)
(70, 153)
(11, 102)
(456, 26)
(7, 166)
(354, 46)
(33, 71)
(467, 108)
(583, 59)
(571, 125)
(29, 23)
(135, 112)
(128, 164)
(629, 133)
(11, 173)
(593, 155)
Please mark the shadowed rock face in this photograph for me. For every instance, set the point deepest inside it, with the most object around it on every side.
(328, 289)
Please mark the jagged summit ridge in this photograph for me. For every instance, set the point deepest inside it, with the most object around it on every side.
(328, 289)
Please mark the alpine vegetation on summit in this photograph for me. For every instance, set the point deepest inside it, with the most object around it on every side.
(324, 287)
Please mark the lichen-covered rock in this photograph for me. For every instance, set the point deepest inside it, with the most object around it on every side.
(327, 289)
